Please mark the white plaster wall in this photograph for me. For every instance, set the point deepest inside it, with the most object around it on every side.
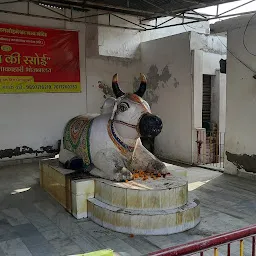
(200, 27)
(209, 43)
(36, 120)
(211, 62)
(222, 101)
(241, 97)
(125, 43)
(174, 104)
(213, 48)
(101, 69)
(118, 42)
(197, 100)
(218, 107)
(197, 62)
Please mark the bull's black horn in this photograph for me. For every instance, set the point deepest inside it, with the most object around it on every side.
(143, 85)
(118, 93)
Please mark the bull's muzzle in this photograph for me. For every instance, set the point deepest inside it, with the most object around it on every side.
(150, 125)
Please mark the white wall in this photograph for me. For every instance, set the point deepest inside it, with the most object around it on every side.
(211, 62)
(36, 120)
(209, 43)
(218, 107)
(175, 66)
(167, 63)
(200, 27)
(118, 42)
(197, 71)
(213, 48)
(222, 100)
(241, 101)
(125, 43)
(100, 70)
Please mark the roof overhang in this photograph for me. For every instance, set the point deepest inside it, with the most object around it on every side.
(143, 8)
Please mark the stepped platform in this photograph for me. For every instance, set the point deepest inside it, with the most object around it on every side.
(139, 207)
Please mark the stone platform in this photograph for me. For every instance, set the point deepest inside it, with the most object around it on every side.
(141, 207)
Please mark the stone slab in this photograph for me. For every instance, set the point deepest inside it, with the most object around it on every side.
(57, 183)
(82, 190)
(67, 187)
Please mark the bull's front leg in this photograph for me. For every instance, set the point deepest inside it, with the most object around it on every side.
(110, 165)
(144, 160)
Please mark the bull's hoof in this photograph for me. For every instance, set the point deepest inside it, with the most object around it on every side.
(164, 171)
(123, 175)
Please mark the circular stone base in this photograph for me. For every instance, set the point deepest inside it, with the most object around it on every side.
(164, 193)
(144, 207)
(145, 222)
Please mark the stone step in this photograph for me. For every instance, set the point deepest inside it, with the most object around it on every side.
(145, 222)
(163, 193)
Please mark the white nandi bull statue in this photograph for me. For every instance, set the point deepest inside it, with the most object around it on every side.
(110, 142)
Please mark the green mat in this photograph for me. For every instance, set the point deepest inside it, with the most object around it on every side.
(97, 253)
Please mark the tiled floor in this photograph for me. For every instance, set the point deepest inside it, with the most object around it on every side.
(32, 223)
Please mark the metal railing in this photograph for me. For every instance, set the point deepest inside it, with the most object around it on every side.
(214, 242)
(210, 148)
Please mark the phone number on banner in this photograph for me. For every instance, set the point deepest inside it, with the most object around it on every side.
(39, 87)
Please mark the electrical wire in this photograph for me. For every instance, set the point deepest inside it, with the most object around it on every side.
(185, 27)
(247, 66)
(247, 25)
(236, 56)
(190, 27)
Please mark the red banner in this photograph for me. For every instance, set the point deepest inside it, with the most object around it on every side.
(38, 60)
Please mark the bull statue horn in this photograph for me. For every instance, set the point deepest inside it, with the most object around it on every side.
(143, 85)
(118, 93)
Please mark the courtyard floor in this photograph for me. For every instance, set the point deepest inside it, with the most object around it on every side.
(32, 223)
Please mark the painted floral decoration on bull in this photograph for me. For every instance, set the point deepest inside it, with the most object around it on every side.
(110, 142)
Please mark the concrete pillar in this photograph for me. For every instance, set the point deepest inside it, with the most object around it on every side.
(197, 98)
(197, 59)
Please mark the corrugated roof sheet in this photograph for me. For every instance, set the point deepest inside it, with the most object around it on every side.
(138, 7)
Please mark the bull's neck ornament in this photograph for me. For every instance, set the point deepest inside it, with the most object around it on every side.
(123, 147)
(120, 144)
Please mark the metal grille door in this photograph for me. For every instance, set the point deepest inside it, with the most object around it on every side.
(206, 99)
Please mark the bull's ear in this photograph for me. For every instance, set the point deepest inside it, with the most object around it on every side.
(143, 85)
(118, 93)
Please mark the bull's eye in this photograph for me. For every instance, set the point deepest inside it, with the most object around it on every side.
(123, 107)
